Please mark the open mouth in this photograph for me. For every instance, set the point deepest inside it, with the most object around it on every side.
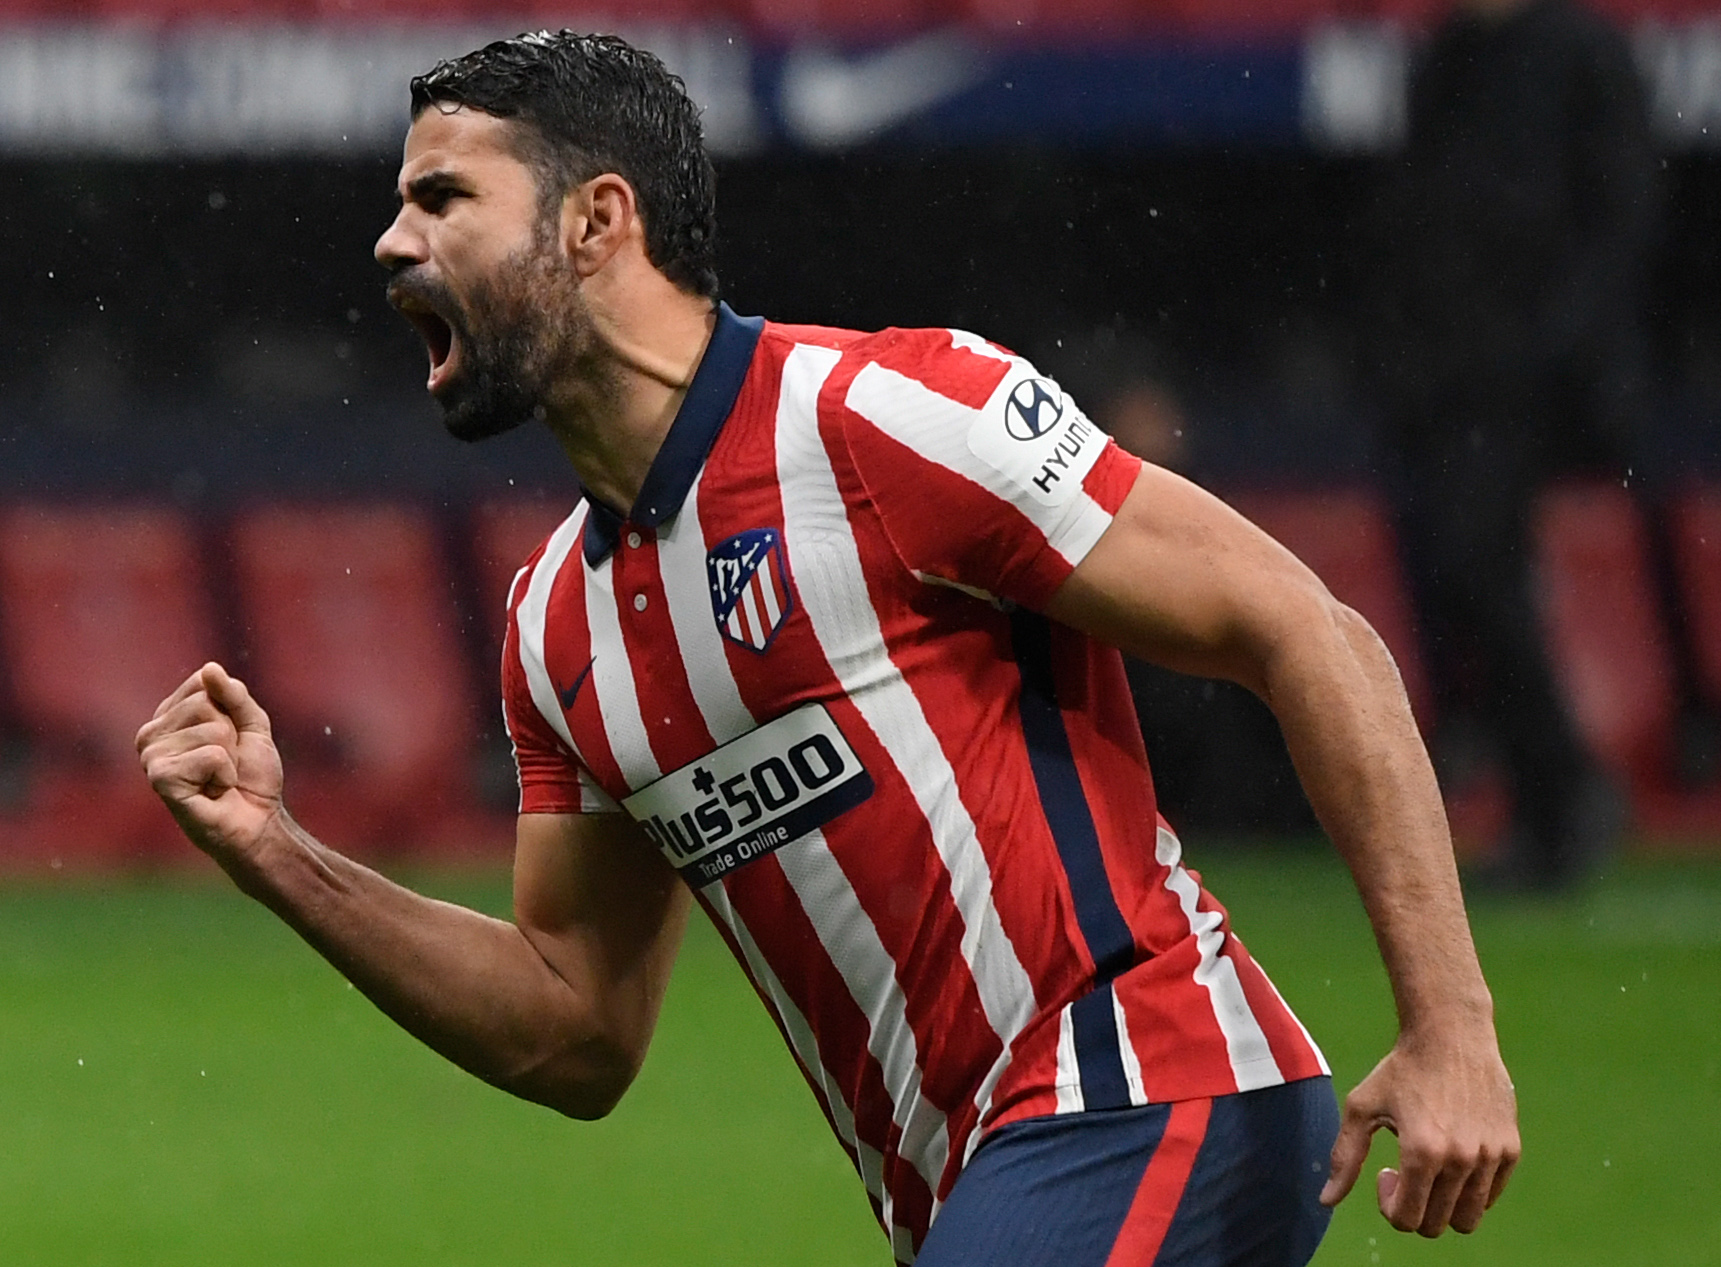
(437, 333)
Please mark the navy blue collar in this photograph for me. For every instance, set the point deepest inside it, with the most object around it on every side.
(710, 397)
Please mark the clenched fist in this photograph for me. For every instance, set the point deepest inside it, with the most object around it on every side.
(209, 754)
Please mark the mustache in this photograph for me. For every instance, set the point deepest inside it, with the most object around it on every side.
(413, 284)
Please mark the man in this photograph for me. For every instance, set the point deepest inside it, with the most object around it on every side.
(838, 662)
(1513, 248)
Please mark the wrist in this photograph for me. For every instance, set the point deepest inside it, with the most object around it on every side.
(256, 866)
(1451, 1017)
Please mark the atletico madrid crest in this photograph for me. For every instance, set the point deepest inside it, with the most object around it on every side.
(750, 594)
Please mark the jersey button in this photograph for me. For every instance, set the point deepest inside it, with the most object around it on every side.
(633, 540)
(639, 602)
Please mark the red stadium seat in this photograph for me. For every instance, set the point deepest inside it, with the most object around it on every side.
(351, 631)
(1257, 19)
(199, 10)
(853, 19)
(1063, 19)
(504, 534)
(1695, 524)
(1346, 538)
(395, 10)
(1604, 629)
(36, 10)
(102, 614)
(528, 14)
(625, 15)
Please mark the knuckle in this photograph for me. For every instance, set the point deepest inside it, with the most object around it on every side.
(1458, 1159)
(1416, 1157)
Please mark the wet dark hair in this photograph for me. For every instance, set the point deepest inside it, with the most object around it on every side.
(589, 104)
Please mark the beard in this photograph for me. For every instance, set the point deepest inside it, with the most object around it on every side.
(519, 332)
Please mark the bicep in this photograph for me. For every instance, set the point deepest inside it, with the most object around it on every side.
(1182, 580)
(603, 909)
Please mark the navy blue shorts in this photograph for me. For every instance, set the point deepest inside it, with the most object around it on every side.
(1227, 1182)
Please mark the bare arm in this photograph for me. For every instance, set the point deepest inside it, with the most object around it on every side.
(557, 1008)
(1181, 580)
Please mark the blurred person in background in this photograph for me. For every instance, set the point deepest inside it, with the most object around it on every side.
(828, 647)
(1511, 248)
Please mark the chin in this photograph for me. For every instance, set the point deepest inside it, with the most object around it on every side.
(473, 425)
(475, 408)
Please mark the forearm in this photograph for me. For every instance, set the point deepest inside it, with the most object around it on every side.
(1342, 708)
(473, 988)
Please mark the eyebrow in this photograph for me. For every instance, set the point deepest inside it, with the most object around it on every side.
(432, 182)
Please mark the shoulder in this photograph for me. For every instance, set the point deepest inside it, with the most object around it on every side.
(953, 363)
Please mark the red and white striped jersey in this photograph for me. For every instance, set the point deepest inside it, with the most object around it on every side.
(809, 662)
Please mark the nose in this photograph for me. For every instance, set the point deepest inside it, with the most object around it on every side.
(400, 245)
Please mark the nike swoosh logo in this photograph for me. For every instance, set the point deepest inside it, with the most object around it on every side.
(829, 101)
(574, 690)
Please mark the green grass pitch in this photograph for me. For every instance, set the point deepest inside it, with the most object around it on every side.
(181, 1082)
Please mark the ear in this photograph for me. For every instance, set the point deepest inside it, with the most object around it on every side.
(599, 220)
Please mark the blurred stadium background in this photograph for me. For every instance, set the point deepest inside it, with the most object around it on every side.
(214, 442)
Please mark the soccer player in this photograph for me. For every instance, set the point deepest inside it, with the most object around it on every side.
(829, 647)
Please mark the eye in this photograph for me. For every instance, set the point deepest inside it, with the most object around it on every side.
(433, 196)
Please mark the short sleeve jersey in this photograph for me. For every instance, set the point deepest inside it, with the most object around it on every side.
(810, 662)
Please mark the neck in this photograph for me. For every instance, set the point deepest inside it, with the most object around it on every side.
(612, 414)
